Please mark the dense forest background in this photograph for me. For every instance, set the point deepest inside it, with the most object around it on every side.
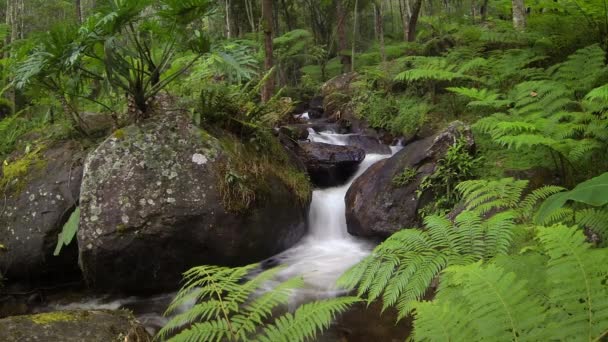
(501, 108)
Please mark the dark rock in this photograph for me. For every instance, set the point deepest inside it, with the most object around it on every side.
(74, 326)
(537, 177)
(376, 207)
(151, 208)
(299, 108)
(97, 124)
(295, 132)
(339, 84)
(330, 165)
(36, 206)
(315, 113)
(369, 144)
(316, 103)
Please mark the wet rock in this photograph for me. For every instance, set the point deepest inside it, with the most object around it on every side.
(34, 208)
(330, 165)
(369, 144)
(376, 207)
(74, 326)
(152, 207)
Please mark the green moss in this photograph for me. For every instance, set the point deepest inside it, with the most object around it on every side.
(53, 317)
(15, 173)
(119, 134)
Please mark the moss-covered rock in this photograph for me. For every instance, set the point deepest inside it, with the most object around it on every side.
(74, 326)
(39, 191)
(153, 204)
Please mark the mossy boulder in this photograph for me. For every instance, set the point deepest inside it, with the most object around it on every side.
(153, 205)
(74, 326)
(40, 189)
(377, 205)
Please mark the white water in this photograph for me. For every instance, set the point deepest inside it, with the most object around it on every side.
(328, 250)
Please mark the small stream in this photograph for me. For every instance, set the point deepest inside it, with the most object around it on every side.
(320, 258)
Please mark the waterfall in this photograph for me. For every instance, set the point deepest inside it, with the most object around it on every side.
(328, 250)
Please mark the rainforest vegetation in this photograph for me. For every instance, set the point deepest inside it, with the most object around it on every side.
(147, 141)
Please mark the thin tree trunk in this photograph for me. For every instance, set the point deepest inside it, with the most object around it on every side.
(79, 11)
(519, 15)
(354, 42)
(268, 89)
(411, 33)
(228, 28)
(379, 15)
(483, 11)
(250, 17)
(342, 42)
(287, 16)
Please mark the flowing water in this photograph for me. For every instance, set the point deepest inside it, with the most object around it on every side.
(328, 250)
(320, 258)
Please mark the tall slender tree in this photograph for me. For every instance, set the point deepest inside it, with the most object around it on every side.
(78, 11)
(519, 14)
(354, 42)
(267, 25)
(341, 13)
(379, 15)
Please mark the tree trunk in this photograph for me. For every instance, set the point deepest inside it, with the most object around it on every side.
(411, 32)
(287, 16)
(79, 11)
(250, 17)
(267, 23)
(342, 42)
(379, 13)
(354, 42)
(483, 11)
(228, 26)
(519, 15)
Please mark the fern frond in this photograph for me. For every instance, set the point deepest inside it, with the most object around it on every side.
(577, 274)
(307, 321)
(596, 220)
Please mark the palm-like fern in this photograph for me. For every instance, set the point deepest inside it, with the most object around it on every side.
(402, 268)
(230, 307)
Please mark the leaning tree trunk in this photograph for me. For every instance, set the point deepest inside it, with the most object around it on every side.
(519, 15)
(267, 23)
(411, 33)
(342, 42)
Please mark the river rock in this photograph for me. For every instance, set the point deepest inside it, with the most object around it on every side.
(152, 207)
(35, 205)
(369, 144)
(74, 326)
(330, 165)
(376, 207)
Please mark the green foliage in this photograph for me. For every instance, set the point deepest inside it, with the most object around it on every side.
(456, 166)
(405, 177)
(402, 268)
(68, 232)
(229, 307)
(593, 192)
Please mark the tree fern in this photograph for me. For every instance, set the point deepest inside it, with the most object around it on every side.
(229, 307)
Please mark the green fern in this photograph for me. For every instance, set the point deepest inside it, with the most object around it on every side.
(229, 308)
(402, 268)
(504, 300)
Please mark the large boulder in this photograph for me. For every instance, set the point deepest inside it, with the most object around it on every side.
(377, 207)
(330, 165)
(74, 326)
(153, 205)
(40, 190)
